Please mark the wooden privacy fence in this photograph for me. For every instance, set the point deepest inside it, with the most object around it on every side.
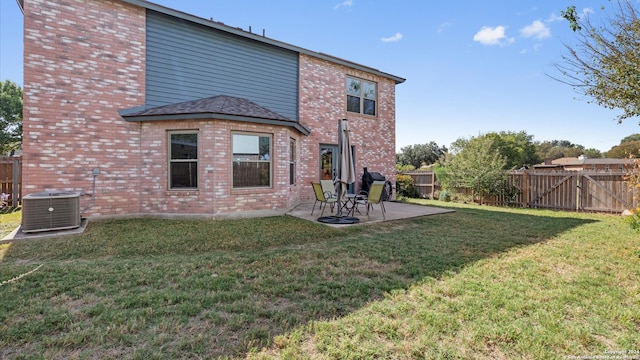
(425, 183)
(560, 190)
(10, 175)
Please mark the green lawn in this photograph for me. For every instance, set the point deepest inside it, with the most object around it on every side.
(482, 282)
(9, 220)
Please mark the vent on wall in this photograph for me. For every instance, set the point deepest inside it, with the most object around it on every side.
(47, 211)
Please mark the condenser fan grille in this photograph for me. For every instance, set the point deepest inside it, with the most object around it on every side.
(46, 211)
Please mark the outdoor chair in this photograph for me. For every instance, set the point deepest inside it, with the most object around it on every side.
(322, 198)
(329, 190)
(374, 196)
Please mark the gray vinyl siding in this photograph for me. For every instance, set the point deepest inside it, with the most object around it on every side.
(187, 61)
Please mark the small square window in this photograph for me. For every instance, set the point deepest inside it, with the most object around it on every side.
(361, 96)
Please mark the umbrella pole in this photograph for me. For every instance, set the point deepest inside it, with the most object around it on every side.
(339, 168)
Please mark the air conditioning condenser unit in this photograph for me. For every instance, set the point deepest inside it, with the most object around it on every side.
(46, 211)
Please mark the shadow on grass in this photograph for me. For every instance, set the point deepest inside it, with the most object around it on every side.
(9, 209)
(221, 288)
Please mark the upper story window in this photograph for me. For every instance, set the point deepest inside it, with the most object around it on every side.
(361, 96)
(251, 160)
(183, 160)
(292, 161)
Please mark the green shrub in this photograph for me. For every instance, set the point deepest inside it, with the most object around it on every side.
(444, 195)
(633, 220)
(406, 186)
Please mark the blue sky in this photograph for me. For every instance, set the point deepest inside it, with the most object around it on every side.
(472, 67)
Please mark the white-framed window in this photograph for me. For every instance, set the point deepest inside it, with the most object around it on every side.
(251, 164)
(362, 96)
(292, 161)
(183, 159)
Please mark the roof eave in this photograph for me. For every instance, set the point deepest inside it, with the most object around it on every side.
(211, 116)
(239, 32)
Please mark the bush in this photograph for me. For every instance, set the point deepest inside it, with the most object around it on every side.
(633, 220)
(444, 195)
(633, 181)
(406, 186)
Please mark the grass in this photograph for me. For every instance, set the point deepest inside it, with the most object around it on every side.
(9, 220)
(482, 282)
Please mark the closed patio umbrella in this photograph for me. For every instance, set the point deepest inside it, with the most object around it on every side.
(346, 173)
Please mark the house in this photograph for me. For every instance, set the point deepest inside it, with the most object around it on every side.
(583, 163)
(148, 110)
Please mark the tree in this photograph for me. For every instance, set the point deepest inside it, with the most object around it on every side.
(625, 149)
(420, 154)
(633, 137)
(518, 148)
(605, 65)
(478, 166)
(592, 153)
(556, 149)
(10, 116)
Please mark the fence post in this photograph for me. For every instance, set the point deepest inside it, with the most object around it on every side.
(433, 185)
(578, 192)
(526, 189)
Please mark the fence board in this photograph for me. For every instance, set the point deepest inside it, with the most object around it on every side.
(10, 175)
(424, 181)
(560, 190)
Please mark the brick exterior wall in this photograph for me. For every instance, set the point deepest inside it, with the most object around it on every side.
(215, 194)
(323, 101)
(84, 61)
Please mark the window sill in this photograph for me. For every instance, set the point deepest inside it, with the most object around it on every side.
(183, 192)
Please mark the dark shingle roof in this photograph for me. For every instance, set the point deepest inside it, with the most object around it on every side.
(216, 107)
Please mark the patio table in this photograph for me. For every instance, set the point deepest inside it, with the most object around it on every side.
(350, 203)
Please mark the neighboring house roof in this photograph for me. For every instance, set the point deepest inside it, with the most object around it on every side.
(565, 161)
(261, 38)
(609, 161)
(581, 161)
(216, 107)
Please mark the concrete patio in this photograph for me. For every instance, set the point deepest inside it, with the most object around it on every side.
(395, 211)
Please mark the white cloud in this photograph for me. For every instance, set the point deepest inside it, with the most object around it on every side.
(537, 30)
(586, 12)
(492, 36)
(394, 38)
(554, 18)
(345, 3)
